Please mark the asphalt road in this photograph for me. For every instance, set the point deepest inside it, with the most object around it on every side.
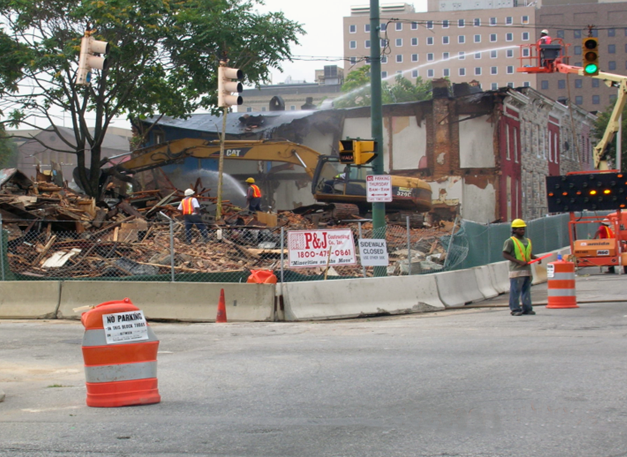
(471, 382)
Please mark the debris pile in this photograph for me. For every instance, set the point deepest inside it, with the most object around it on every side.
(55, 232)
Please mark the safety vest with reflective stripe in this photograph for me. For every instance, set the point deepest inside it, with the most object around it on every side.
(256, 191)
(521, 252)
(608, 232)
(188, 206)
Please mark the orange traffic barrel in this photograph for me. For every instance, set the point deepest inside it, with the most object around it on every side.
(561, 284)
(262, 277)
(120, 353)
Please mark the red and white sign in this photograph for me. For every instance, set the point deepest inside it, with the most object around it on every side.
(319, 248)
(379, 188)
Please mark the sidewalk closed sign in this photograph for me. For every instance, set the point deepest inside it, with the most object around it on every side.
(125, 327)
(319, 248)
(373, 253)
(378, 188)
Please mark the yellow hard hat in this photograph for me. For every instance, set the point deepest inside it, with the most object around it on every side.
(251, 180)
(518, 223)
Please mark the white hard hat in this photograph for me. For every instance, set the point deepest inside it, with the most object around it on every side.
(605, 222)
(189, 192)
(545, 31)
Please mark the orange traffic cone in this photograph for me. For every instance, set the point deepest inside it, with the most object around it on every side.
(221, 317)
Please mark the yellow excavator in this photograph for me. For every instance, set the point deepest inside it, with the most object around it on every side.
(332, 181)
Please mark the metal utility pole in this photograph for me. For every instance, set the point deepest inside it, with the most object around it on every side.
(378, 208)
(221, 165)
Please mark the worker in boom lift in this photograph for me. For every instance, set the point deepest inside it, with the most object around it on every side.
(604, 232)
(253, 196)
(517, 249)
(543, 42)
(191, 214)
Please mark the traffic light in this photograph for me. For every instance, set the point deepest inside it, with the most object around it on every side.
(358, 152)
(90, 58)
(593, 192)
(590, 46)
(226, 87)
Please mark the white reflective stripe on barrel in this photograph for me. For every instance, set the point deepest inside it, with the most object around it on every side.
(122, 372)
(97, 338)
(562, 276)
(561, 292)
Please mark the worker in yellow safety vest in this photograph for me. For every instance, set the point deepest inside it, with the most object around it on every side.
(253, 196)
(190, 208)
(517, 249)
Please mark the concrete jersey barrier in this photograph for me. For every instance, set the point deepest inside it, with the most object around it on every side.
(484, 282)
(456, 288)
(29, 300)
(184, 301)
(348, 298)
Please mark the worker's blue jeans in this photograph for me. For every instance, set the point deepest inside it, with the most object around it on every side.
(520, 289)
(190, 221)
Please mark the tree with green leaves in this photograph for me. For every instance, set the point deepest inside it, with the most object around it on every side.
(163, 59)
(8, 150)
(600, 126)
(357, 90)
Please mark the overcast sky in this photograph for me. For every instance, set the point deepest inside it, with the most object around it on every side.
(322, 20)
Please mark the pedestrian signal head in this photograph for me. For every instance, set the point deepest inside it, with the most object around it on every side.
(189, 192)
(518, 223)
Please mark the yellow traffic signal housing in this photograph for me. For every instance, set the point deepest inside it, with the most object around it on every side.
(590, 47)
(357, 152)
(226, 86)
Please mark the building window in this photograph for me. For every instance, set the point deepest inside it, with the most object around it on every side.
(595, 33)
(577, 50)
(367, 44)
(414, 41)
(510, 69)
(494, 86)
(445, 24)
(414, 26)
(578, 83)
(292, 108)
(492, 37)
(249, 109)
(525, 36)
(561, 84)
(611, 65)
(383, 27)
(446, 72)
(399, 42)
(560, 34)
(445, 40)
(494, 54)
(430, 57)
(477, 38)
(462, 72)
(525, 52)
(445, 56)
(611, 32)
(353, 60)
(352, 29)
(524, 20)
(414, 73)
(477, 22)
(429, 24)
(399, 72)
(461, 55)
(399, 26)
(461, 39)
(596, 99)
(510, 84)
(578, 100)
(430, 73)
(461, 23)
(612, 98)
(577, 33)
(509, 53)
(494, 70)
(544, 85)
(384, 74)
(492, 21)
(399, 58)
(367, 28)
(414, 57)
(478, 71)
(352, 44)
(509, 37)
(383, 43)
(526, 84)
(477, 55)
(509, 20)
(611, 49)
(384, 59)
(263, 108)
(595, 83)
(429, 40)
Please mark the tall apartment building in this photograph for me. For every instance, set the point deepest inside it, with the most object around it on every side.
(480, 40)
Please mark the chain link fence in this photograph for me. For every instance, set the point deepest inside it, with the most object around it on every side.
(158, 251)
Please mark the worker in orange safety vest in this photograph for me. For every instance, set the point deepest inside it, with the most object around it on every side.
(517, 249)
(190, 208)
(604, 232)
(253, 196)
